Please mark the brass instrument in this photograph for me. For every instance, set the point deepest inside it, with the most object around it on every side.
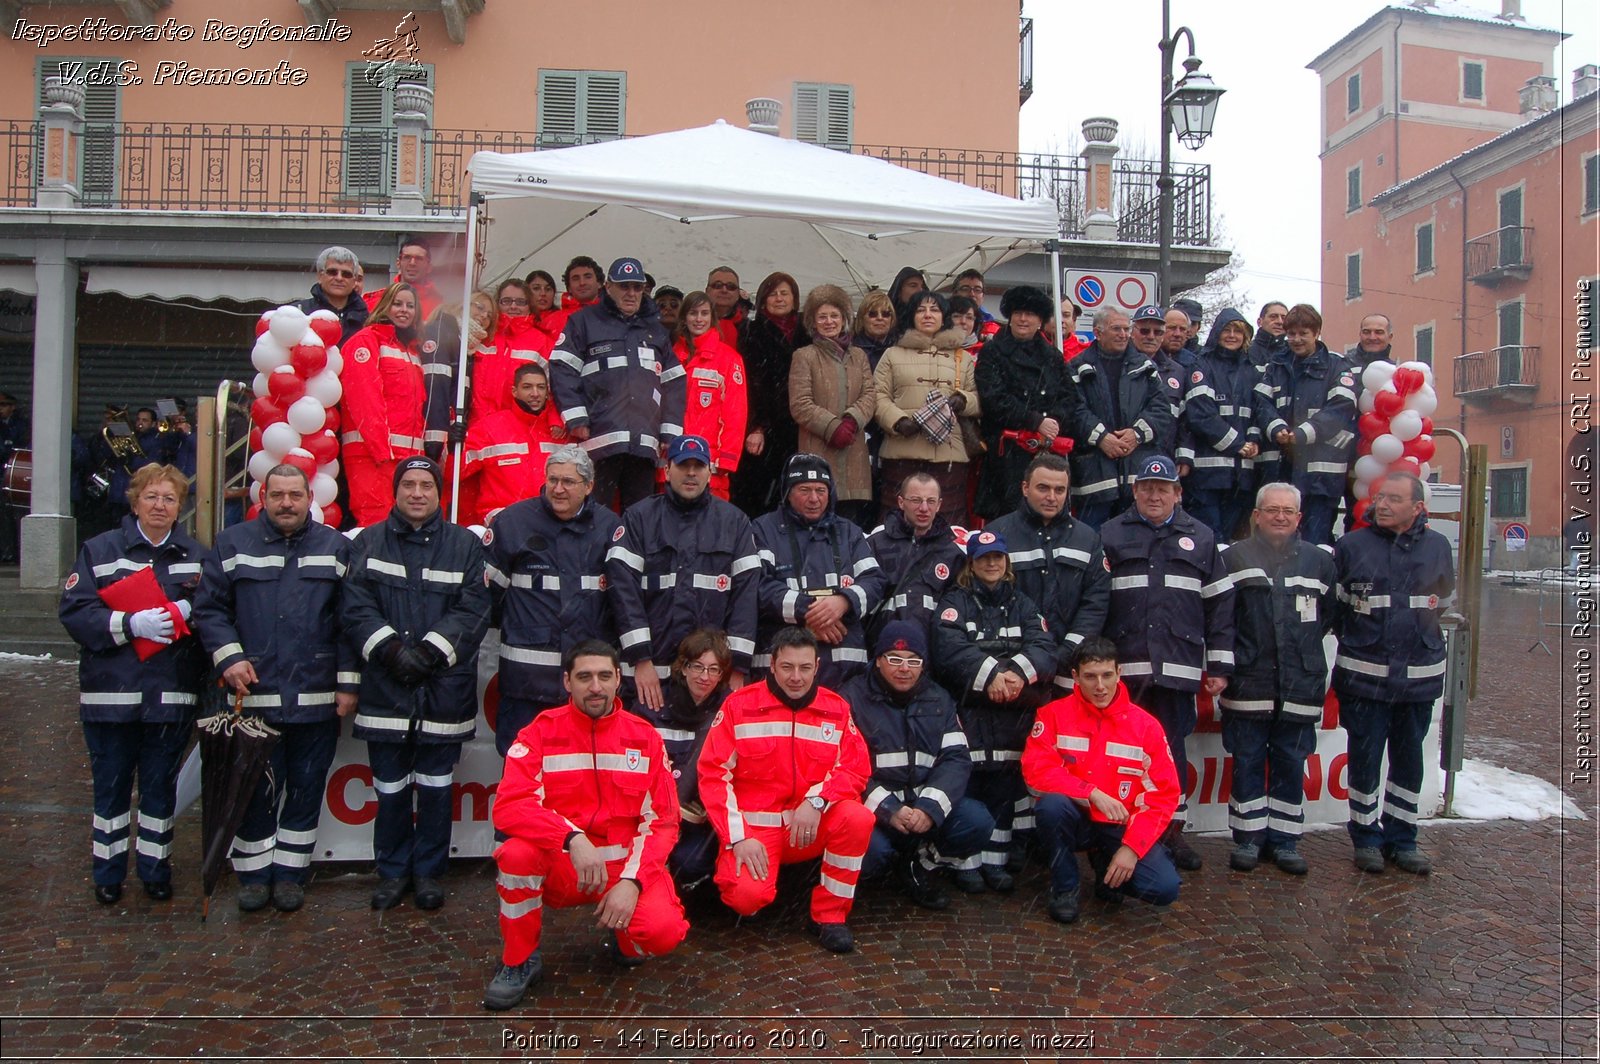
(123, 443)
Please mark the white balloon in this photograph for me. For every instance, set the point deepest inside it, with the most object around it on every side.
(259, 464)
(279, 439)
(288, 325)
(1406, 425)
(330, 469)
(268, 354)
(316, 514)
(1368, 469)
(478, 530)
(255, 492)
(1424, 401)
(325, 389)
(335, 361)
(1377, 374)
(1387, 448)
(310, 337)
(258, 387)
(324, 489)
(306, 415)
(1425, 471)
(1362, 488)
(1364, 404)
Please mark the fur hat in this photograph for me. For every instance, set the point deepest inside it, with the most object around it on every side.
(1028, 298)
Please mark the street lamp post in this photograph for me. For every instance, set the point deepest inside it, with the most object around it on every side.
(1188, 108)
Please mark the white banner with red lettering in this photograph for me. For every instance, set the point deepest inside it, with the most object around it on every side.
(350, 804)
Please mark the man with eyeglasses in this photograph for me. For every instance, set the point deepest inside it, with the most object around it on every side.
(1119, 411)
(920, 768)
(919, 554)
(335, 290)
(620, 386)
(729, 304)
(969, 283)
(1396, 578)
(414, 266)
(686, 560)
(546, 563)
(1284, 599)
(1057, 560)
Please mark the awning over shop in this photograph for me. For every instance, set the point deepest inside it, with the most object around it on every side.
(18, 277)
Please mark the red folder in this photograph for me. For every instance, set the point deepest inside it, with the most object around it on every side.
(141, 591)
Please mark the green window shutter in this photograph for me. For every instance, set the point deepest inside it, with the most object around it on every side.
(369, 127)
(102, 112)
(558, 107)
(1424, 248)
(824, 114)
(576, 106)
(605, 100)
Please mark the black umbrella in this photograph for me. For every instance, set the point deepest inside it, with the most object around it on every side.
(234, 751)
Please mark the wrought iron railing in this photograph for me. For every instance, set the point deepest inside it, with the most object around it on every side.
(1504, 251)
(350, 170)
(1500, 370)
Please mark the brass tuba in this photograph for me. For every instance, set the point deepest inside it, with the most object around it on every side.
(123, 444)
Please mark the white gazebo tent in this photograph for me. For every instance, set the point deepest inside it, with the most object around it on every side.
(687, 201)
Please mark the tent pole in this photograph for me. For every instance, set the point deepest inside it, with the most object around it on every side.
(461, 362)
(1055, 285)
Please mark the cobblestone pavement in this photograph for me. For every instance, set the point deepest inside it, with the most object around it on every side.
(1490, 958)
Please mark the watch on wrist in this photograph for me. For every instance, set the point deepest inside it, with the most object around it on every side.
(818, 802)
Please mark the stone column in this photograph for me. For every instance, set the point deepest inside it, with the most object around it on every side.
(1100, 219)
(413, 105)
(49, 532)
(61, 115)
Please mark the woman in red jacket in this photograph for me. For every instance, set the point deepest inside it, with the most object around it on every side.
(517, 339)
(384, 397)
(547, 317)
(717, 405)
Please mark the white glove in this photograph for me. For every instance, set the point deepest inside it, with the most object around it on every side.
(185, 608)
(153, 624)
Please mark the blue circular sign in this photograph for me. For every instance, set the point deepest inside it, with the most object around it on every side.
(1090, 291)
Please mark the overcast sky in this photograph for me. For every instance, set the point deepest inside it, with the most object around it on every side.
(1103, 59)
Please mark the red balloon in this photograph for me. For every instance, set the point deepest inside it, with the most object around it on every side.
(1359, 514)
(265, 411)
(332, 516)
(1372, 426)
(326, 328)
(324, 447)
(301, 459)
(262, 323)
(330, 423)
(1406, 464)
(308, 360)
(1420, 448)
(1407, 381)
(286, 386)
(1363, 448)
(1427, 426)
(255, 440)
(254, 512)
(1386, 404)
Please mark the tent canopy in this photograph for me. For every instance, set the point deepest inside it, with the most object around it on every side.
(687, 201)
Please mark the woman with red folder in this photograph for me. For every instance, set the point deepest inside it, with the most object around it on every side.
(127, 603)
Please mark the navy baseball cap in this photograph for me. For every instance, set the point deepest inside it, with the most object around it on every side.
(981, 543)
(1158, 467)
(1150, 312)
(629, 270)
(689, 449)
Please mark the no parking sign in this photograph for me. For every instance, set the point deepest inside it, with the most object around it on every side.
(1097, 289)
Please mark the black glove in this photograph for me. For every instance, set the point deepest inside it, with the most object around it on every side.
(411, 667)
(432, 656)
(388, 653)
(906, 427)
(434, 450)
(958, 402)
(457, 433)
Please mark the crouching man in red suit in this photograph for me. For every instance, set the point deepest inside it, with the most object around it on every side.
(590, 763)
(781, 776)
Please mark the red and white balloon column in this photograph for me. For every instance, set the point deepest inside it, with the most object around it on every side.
(295, 419)
(1396, 426)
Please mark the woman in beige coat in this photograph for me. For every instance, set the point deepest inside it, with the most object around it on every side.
(831, 397)
(924, 384)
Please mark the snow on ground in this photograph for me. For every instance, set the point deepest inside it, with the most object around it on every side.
(7, 658)
(1489, 792)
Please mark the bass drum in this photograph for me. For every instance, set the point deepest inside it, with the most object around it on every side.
(18, 490)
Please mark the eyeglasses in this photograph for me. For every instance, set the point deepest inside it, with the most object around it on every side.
(697, 669)
(346, 274)
(880, 313)
(413, 257)
(723, 286)
(919, 504)
(510, 302)
(898, 662)
(969, 290)
(1279, 511)
(150, 498)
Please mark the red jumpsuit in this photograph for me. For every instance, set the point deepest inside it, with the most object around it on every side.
(505, 458)
(610, 780)
(382, 417)
(716, 407)
(494, 371)
(760, 760)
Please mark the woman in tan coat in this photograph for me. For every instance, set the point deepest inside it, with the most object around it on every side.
(924, 384)
(831, 397)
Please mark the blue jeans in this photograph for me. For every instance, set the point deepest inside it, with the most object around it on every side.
(1267, 802)
(1373, 727)
(962, 834)
(1065, 828)
(1219, 509)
